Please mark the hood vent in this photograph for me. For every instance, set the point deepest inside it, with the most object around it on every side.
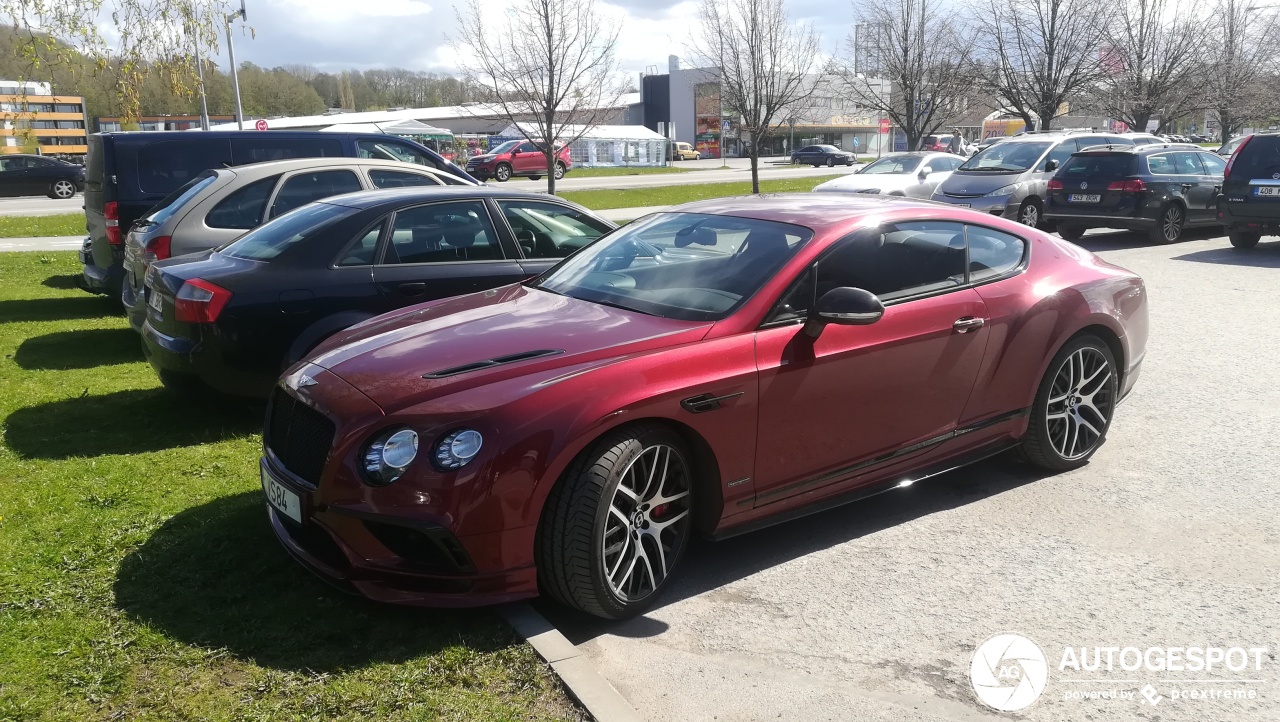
(489, 363)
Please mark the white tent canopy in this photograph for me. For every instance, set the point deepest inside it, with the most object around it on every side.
(595, 132)
(397, 127)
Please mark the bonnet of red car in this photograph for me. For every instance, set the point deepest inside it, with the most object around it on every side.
(486, 337)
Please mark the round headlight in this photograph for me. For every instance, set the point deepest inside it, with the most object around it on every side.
(456, 448)
(386, 459)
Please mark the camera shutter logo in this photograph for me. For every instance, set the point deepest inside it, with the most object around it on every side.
(1008, 672)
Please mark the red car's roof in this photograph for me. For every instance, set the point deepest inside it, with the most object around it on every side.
(818, 211)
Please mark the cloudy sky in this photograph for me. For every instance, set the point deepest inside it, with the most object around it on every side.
(338, 34)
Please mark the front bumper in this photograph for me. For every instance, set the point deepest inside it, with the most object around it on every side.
(392, 558)
(1003, 206)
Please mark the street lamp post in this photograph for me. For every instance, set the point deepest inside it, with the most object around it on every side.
(231, 55)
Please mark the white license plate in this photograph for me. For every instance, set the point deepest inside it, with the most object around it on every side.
(962, 205)
(153, 300)
(286, 502)
(1267, 191)
(1085, 198)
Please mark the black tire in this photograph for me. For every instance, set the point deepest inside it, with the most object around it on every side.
(1070, 231)
(559, 170)
(831, 162)
(1029, 213)
(1169, 225)
(535, 177)
(1046, 434)
(1244, 241)
(502, 173)
(571, 554)
(62, 189)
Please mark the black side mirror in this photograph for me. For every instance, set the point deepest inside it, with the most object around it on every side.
(844, 306)
(1051, 165)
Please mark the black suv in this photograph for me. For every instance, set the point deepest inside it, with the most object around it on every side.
(1250, 202)
(1160, 189)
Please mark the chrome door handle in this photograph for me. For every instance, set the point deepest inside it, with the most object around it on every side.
(968, 323)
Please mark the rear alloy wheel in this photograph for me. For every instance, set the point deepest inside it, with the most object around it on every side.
(502, 172)
(1073, 405)
(62, 188)
(1071, 232)
(1169, 228)
(1244, 240)
(617, 523)
(1029, 213)
(559, 170)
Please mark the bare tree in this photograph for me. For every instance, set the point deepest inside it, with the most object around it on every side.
(551, 62)
(152, 38)
(1242, 62)
(917, 47)
(1152, 63)
(1040, 53)
(767, 64)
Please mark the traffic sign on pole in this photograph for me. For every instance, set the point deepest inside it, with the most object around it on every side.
(260, 125)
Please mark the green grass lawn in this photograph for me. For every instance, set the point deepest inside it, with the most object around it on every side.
(672, 195)
(139, 579)
(65, 224)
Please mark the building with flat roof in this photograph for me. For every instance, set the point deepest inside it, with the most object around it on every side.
(34, 120)
(111, 124)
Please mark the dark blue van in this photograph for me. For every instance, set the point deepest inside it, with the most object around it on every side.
(128, 173)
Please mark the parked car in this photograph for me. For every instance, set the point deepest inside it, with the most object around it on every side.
(730, 365)
(1197, 138)
(128, 173)
(945, 143)
(1140, 139)
(232, 318)
(219, 205)
(1160, 189)
(518, 158)
(1229, 147)
(1009, 179)
(34, 175)
(684, 151)
(827, 155)
(915, 175)
(1250, 202)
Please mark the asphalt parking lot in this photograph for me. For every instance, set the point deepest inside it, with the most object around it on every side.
(1168, 538)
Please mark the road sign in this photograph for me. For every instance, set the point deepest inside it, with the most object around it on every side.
(855, 143)
(260, 125)
(884, 125)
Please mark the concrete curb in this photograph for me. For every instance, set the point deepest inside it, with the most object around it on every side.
(584, 682)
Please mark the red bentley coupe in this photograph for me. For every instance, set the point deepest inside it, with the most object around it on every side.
(728, 365)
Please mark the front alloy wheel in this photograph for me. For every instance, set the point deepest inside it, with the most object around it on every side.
(831, 162)
(1169, 228)
(617, 523)
(502, 173)
(1073, 406)
(1029, 214)
(62, 188)
(559, 171)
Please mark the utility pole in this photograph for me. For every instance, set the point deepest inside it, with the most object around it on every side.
(231, 55)
(204, 101)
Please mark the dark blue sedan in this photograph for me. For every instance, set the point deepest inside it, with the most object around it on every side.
(827, 155)
(34, 175)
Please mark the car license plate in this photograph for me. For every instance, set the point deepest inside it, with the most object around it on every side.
(153, 300)
(281, 498)
(1267, 191)
(1085, 198)
(962, 205)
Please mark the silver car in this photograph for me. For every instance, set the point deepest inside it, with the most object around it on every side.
(914, 175)
(1010, 178)
(221, 204)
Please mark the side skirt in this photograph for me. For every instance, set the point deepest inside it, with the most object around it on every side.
(868, 491)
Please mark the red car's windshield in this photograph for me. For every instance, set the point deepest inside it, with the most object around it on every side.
(685, 266)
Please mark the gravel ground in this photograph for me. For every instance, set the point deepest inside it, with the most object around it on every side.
(873, 611)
